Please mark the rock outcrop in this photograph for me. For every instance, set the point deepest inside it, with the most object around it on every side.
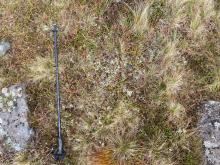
(15, 131)
(209, 126)
(4, 47)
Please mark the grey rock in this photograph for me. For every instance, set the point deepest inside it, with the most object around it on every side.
(4, 47)
(15, 131)
(209, 126)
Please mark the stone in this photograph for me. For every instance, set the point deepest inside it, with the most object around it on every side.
(15, 131)
(209, 127)
(4, 47)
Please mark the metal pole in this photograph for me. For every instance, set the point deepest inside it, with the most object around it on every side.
(59, 153)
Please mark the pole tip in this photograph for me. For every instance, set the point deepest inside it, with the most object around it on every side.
(59, 155)
(54, 28)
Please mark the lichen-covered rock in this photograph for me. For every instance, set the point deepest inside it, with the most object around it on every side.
(209, 126)
(14, 128)
(4, 47)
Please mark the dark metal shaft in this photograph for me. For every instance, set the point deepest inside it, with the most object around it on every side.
(59, 153)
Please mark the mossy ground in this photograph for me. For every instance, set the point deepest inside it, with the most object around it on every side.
(133, 75)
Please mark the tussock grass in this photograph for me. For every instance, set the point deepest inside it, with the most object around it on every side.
(41, 69)
(133, 74)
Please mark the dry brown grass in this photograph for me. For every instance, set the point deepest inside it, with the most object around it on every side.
(102, 157)
(133, 74)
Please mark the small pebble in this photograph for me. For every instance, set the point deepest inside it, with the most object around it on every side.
(4, 47)
(129, 93)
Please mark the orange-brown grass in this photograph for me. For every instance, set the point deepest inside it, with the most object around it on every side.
(102, 157)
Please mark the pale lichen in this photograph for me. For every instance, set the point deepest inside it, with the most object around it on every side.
(8, 99)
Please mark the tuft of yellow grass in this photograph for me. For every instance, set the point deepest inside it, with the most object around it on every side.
(177, 112)
(179, 10)
(141, 18)
(42, 69)
(204, 11)
(174, 83)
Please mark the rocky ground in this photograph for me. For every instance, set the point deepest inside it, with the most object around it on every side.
(209, 125)
(135, 80)
(14, 128)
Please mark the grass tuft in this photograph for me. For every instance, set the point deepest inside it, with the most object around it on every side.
(132, 76)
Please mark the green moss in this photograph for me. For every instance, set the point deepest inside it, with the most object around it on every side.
(217, 4)
(191, 160)
(169, 133)
(156, 11)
